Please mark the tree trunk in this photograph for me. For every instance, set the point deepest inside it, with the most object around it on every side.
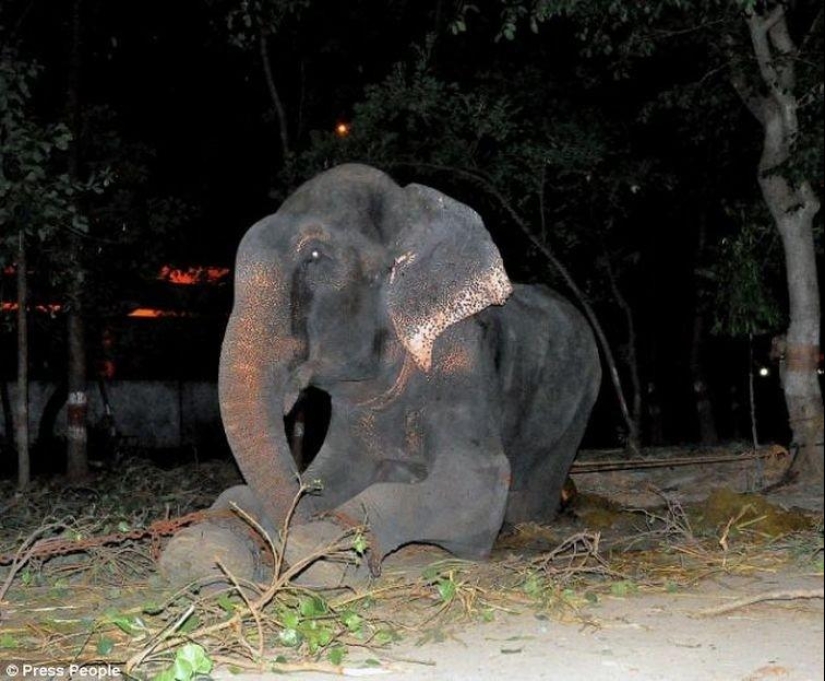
(76, 454)
(630, 352)
(76, 408)
(708, 433)
(793, 207)
(21, 429)
(273, 94)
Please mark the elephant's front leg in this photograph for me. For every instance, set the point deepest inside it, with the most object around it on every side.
(459, 506)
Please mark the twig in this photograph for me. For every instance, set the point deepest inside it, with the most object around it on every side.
(790, 595)
(256, 615)
(29, 548)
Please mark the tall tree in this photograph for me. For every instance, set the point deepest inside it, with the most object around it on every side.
(775, 102)
(36, 203)
(21, 431)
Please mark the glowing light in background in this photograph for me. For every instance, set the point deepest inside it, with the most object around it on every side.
(154, 313)
(51, 308)
(342, 129)
(192, 275)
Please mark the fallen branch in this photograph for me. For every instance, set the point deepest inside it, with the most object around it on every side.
(773, 451)
(793, 594)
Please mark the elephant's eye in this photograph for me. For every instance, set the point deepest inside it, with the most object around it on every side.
(313, 254)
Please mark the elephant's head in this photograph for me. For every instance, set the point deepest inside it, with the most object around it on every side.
(349, 266)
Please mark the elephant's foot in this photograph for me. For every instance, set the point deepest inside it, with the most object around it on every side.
(212, 555)
(318, 538)
(215, 556)
(194, 553)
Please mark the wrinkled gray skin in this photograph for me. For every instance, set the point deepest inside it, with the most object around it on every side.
(458, 400)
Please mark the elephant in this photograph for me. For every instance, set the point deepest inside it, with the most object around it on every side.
(457, 399)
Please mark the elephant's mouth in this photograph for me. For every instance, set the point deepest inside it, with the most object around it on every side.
(306, 425)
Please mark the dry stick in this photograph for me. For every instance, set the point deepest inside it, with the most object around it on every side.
(27, 549)
(256, 615)
(790, 595)
(139, 657)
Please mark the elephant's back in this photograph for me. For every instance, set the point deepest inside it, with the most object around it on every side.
(546, 361)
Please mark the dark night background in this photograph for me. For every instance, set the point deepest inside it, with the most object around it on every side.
(648, 176)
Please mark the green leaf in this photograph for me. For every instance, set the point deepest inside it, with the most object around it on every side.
(386, 636)
(8, 642)
(151, 608)
(105, 645)
(182, 669)
(532, 585)
(313, 606)
(336, 655)
(290, 619)
(124, 624)
(352, 621)
(226, 604)
(446, 590)
(191, 623)
(360, 543)
(290, 638)
(193, 657)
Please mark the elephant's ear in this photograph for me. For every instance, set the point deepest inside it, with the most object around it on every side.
(446, 269)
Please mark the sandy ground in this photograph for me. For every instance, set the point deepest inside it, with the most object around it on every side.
(644, 637)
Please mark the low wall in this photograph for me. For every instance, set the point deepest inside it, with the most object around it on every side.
(151, 414)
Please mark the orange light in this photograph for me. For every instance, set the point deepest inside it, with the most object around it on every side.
(147, 312)
(343, 129)
(156, 313)
(192, 275)
(50, 308)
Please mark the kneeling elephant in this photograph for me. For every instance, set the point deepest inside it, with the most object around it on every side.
(458, 399)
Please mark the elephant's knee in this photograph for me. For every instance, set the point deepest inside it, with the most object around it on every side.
(242, 497)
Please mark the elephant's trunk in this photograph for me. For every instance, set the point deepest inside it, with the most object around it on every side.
(256, 358)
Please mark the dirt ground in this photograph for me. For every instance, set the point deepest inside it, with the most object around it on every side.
(647, 635)
(644, 637)
(641, 595)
